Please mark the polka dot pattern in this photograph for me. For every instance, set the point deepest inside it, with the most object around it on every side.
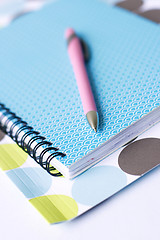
(56, 208)
(33, 182)
(1, 135)
(97, 184)
(140, 156)
(11, 156)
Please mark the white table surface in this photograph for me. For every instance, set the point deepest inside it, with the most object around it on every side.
(133, 213)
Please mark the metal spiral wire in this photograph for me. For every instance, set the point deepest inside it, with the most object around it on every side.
(8, 126)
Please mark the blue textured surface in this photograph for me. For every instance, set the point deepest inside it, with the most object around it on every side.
(37, 80)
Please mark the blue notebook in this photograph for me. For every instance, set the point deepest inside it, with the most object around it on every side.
(40, 103)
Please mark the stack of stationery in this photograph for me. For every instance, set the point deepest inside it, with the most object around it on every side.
(41, 108)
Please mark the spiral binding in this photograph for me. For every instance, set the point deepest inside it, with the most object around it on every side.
(35, 137)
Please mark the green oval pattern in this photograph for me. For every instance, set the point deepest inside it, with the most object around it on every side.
(56, 208)
(11, 156)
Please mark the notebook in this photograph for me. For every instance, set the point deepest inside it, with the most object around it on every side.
(40, 104)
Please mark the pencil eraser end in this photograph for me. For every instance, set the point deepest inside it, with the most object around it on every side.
(68, 32)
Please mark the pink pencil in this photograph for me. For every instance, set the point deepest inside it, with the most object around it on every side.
(77, 60)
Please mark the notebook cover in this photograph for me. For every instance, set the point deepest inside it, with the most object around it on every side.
(37, 80)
